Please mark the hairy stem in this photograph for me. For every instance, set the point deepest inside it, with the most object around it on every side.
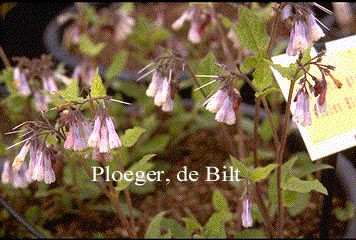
(223, 42)
(90, 174)
(260, 203)
(274, 30)
(240, 133)
(113, 197)
(268, 112)
(127, 195)
(280, 159)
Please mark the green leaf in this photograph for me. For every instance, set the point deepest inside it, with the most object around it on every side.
(97, 89)
(262, 77)
(177, 231)
(261, 173)
(267, 91)
(89, 48)
(147, 35)
(225, 21)
(140, 166)
(251, 31)
(250, 233)
(256, 213)
(219, 201)
(71, 92)
(127, 7)
(215, 227)
(157, 144)
(154, 228)
(249, 64)
(148, 187)
(243, 170)
(191, 225)
(286, 72)
(117, 65)
(287, 166)
(263, 12)
(265, 154)
(300, 204)
(7, 77)
(207, 66)
(303, 186)
(289, 198)
(305, 170)
(265, 130)
(345, 214)
(90, 15)
(131, 136)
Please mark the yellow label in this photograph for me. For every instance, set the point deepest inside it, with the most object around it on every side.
(335, 129)
(340, 114)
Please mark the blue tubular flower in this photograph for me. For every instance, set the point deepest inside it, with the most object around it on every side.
(224, 103)
(246, 214)
(298, 39)
(305, 29)
(302, 113)
(104, 136)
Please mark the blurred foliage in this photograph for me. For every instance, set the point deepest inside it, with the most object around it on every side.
(6, 7)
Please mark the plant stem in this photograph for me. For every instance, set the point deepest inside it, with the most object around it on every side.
(274, 28)
(260, 203)
(127, 195)
(270, 120)
(268, 112)
(97, 183)
(4, 58)
(113, 197)
(114, 200)
(223, 42)
(280, 159)
(240, 133)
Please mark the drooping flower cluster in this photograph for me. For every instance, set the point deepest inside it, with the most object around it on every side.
(160, 89)
(42, 154)
(246, 211)
(40, 165)
(225, 102)
(104, 136)
(199, 16)
(305, 29)
(317, 87)
(18, 179)
(164, 81)
(79, 129)
(37, 77)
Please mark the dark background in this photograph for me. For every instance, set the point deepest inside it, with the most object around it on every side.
(22, 29)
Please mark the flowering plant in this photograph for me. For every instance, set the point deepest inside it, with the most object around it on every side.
(81, 125)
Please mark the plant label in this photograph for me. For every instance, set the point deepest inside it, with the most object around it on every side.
(335, 129)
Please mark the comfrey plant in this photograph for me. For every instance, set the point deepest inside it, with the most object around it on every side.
(91, 137)
(79, 124)
(164, 80)
(37, 77)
